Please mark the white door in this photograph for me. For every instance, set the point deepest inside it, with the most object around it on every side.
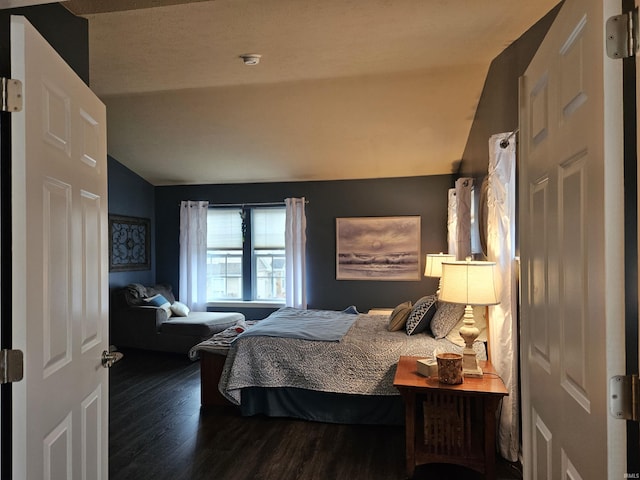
(60, 270)
(572, 252)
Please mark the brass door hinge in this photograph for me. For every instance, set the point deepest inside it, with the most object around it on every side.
(623, 397)
(622, 35)
(11, 95)
(11, 366)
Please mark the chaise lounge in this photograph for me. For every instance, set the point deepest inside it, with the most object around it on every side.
(150, 318)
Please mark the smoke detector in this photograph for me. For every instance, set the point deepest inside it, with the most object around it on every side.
(251, 58)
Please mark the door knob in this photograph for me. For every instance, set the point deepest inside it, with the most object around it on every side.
(109, 358)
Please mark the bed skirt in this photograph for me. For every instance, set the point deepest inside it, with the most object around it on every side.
(323, 406)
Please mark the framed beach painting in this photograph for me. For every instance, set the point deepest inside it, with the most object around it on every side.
(378, 248)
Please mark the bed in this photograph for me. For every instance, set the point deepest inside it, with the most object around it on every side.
(347, 378)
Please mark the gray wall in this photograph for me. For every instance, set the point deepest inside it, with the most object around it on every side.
(66, 33)
(132, 196)
(425, 196)
(497, 110)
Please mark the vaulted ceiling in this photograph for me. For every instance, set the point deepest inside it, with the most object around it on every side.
(344, 89)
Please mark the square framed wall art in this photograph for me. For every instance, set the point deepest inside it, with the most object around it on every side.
(129, 243)
(378, 248)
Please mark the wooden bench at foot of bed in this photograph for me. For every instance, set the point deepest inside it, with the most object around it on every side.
(211, 365)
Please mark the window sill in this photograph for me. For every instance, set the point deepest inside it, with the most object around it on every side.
(245, 304)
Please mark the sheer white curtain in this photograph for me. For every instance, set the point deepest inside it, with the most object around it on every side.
(463, 214)
(193, 255)
(501, 201)
(295, 253)
(452, 223)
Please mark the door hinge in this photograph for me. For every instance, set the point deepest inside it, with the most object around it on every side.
(11, 366)
(622, 35)
(11, 95)
(623, 397)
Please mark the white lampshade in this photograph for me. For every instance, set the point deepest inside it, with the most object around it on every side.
(470, 283)
(433, 265)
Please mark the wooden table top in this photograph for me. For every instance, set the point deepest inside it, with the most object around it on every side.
(407, 376)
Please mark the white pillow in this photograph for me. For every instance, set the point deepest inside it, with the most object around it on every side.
(180, 309)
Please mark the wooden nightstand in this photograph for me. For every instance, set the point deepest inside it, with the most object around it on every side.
(450, 423)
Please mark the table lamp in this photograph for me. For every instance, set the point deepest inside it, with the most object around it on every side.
(469, 283)
(433, 266)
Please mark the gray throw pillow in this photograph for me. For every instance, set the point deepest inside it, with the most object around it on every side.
(163, 289)
(446, 318)
(398, 318)
(134, 293)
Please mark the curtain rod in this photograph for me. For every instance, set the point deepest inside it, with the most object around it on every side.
(504, 143)
(249, 204)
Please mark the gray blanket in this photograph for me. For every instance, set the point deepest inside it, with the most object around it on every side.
(319, 325)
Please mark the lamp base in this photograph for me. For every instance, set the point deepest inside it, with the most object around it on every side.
(470, 366)
(472, 373)
(469, 332)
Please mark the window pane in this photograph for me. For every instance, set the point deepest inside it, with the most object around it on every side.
(270, 275)
(224, 275)
(224, 228)
(268, 227)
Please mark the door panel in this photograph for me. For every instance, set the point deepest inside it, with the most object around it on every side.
(60, 307)
(539, 274)
(56, 302)
(572, 221)
(571, 237)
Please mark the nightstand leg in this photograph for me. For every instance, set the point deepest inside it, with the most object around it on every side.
(490, 407)
(410, 431)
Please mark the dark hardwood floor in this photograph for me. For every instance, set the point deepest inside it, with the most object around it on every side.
(158, 431)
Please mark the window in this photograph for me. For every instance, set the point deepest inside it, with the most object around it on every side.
(268, 225)
(245, 254)
(224, 254)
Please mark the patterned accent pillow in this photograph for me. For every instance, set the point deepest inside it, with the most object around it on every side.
(446, 318)
(398, 318)
(421, 314)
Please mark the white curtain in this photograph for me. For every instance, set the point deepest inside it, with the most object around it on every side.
(295, 241)
(452, 222)
(501, 201)
(193, 255)
(463, 214)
